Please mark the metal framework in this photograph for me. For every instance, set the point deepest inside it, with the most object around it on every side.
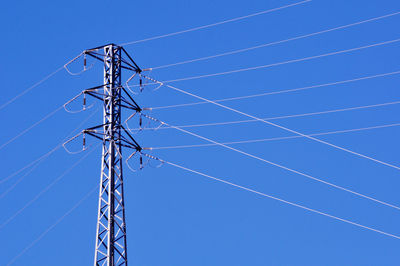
(111, 246)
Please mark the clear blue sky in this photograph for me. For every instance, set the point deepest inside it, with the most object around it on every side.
(178, 218)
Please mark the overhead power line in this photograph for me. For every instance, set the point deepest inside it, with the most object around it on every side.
(35, 163)
(214, 24)
(30, 164)
(38, 195)
(281, 91)
(285, 128)
(276, 42)
(283, 62)
(45, 232)
(154, 38)
(30, 88)
(281, 166)
(31, 127)
(277, 138)
(282, 200)
(286, 116)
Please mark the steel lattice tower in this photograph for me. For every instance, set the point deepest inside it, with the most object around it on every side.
(111, 246)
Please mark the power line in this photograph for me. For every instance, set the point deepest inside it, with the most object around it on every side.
(286, 116)
(214, 24)
(30, 164)
(283, 62)
(285, 128)
(277, 138)
(281, 91)
(30, 127)
(154, 38)
(39, 160)
(5, 193)
(276, 42)
(30, 88)
(33, 125)
(281, 200)
(280, 166)
(45, 190)
(53, 225)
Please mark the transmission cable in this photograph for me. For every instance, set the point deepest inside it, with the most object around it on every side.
(284, 128)
(280, 91)
(38, 195)
(276, 138)
(285, 116)
(32, 87)
(282, 200)
(282, 63)
(41, 159)
(154, 38)
(278, 165)
(275, 42)
(87, 195)
(34, 125)
(214, 24)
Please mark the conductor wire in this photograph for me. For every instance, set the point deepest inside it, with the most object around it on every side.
(280, 166)
(53, 225)
(276, 42)
(12, 217)
(285, 128)
(281, 91)
(214, 24)
(283, 62)
(282, 200)
(277, 138)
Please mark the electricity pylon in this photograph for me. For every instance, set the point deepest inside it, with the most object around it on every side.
(111, 246)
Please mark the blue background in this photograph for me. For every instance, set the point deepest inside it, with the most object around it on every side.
(178, 218)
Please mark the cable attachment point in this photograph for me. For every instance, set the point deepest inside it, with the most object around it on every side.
(142, 82)
(84, 107)
(127, 83)
(144, 159)
(84, 64)
(144, 122)
(153, 82)
(84, 147)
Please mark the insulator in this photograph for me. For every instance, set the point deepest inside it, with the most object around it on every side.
(140, 121)
(84, 61)
(84, 140)
(141, 162)
(84, 100)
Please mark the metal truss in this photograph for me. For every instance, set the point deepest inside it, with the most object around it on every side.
(111, 246)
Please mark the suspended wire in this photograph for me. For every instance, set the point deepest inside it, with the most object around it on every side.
(30, 88)
(53, 225)
(30, 164)
(214, 24)
(277, 138)
(276, 42)
(30, 127)
(154, 38)
(285, 128)
(286, 116)
(281, 91)
(281, 200)
(2, 195)
(41, 159)
(45, 190)
(281, 63)
(283, 167)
